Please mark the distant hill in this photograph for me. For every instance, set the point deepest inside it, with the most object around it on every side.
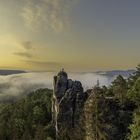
(125, 73)
(9, 72)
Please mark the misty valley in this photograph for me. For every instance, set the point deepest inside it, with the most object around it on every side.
(17, 84)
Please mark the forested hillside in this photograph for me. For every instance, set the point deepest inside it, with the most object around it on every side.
(28, 119)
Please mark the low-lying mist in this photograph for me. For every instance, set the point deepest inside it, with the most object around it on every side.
(13, 87)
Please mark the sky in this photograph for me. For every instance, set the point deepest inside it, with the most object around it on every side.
(78, 35)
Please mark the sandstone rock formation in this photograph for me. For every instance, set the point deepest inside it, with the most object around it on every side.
(68, 101)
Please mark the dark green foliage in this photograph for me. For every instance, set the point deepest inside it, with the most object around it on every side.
(134, 92)
(106, 118)
(135, 127)
(134, 96)
(119, 88)
(28, 119)
(132, 79)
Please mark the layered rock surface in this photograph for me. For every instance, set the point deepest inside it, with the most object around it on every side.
(68, 100)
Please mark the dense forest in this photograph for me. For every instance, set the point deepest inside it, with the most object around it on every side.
(110, 113)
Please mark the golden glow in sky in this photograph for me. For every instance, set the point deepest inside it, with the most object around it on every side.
(78, 35)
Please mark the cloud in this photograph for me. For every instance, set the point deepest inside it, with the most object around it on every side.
(47, 14)
(23, 54)
(45, 64)
(27, 45)
(16, 86)
(28, 48)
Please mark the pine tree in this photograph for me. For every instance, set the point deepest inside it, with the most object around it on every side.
(135, 127)
(119, 86)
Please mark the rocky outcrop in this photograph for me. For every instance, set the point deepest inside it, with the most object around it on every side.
(68, 101)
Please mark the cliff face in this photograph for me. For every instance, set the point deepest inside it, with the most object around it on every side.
(68, 102)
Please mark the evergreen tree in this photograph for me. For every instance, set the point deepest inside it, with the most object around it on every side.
(134, 93)
(119, 87)
(95, 125)
(133, 78)
(135, 126)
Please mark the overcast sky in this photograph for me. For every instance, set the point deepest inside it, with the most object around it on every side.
(79, 35)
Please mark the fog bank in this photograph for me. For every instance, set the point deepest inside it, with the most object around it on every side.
(19, 85)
